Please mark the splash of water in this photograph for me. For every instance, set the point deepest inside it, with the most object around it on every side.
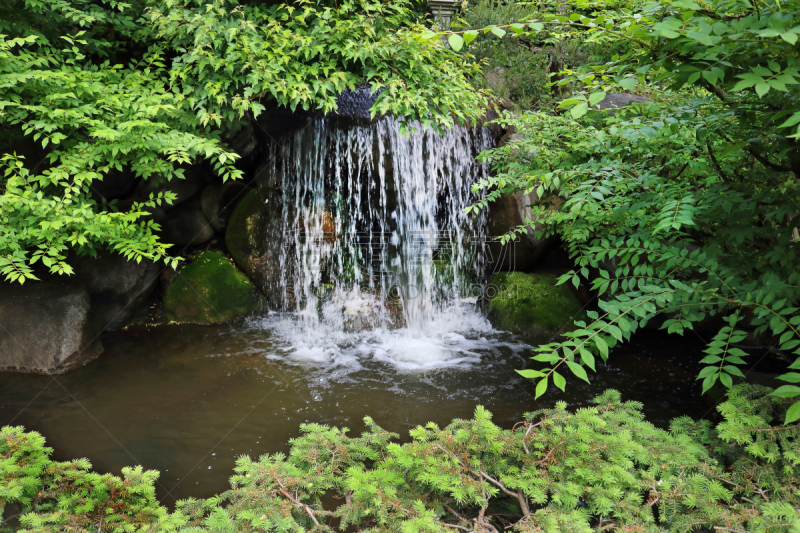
(378, 253)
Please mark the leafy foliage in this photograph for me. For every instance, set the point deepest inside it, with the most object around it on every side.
(233, 55)
(99, 87)
(681, 209)
(522, 69)
(596, 468)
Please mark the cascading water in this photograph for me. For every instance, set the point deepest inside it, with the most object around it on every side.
(378, 255)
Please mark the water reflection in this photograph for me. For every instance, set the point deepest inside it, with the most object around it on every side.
(187, 400)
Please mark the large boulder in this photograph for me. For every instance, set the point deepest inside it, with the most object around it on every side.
(210, 290)
(118, 287)
(532, 304)
(254, 239)
(617, 100)
(186, 225)
(46, 328)
(114, 185)
(219, 199)
(506, 213)
(194, 179)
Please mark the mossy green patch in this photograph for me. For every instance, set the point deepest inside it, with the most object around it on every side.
(210, 290)
(533, 304)
(241, 228)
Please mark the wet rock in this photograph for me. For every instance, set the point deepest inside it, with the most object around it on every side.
(184, 189)
(114, 185)
(244, 141)
(46, 328)
(507, 104)
(532, 304)
(186, 225)
(505, 214)
(278, 121)
(509, 137)
(118, 287)
(254, 238)
(210, 290)
(524, 202)
(358, 311)
(356, 104)
(155, 213)
(488, 122)
(499, 81)
(219, 199)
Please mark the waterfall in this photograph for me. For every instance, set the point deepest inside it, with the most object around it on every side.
(373, 229)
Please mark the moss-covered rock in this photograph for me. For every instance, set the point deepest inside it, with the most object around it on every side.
(210, 290)
(532, 304)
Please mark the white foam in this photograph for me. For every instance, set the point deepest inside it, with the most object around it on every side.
(455, 337)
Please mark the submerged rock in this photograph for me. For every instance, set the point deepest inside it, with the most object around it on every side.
(210, 290)
(532, 304)
(46, 328)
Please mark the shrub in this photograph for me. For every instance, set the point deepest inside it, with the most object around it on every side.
(597, 468)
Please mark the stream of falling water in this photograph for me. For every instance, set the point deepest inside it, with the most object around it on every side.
(379, 257)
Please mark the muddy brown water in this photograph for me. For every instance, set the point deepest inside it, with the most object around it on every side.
(187, 400)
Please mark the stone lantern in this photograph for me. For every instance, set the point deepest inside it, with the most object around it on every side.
(443, 11)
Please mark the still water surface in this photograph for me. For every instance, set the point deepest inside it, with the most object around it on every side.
(187, 400)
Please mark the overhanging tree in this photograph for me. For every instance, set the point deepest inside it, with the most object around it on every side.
(106, 85)
(682, 209)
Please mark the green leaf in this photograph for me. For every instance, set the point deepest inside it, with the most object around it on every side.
(500, 32)
(793, 414)
(541, 387)
(559, 380)
(629, 84)
(587, 358)
(456, 42)
(596, 97)
(529, 373)
(708, 382)
(786, 391)
(602, 346)
(578, 370)
(707, 371)
(762, 88)
(579, 110)
(733, 370)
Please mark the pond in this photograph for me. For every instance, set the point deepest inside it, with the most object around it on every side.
(187, 400)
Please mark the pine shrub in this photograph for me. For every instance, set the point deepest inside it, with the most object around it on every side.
(595, 469)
